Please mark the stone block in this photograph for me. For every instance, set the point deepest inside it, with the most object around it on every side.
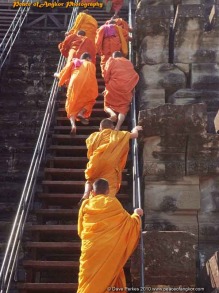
(173, 196)
(209, 189)
(164, 158)
(171, 119)
(170, 259)
(165, 76)
(172, 221)
(193, 96)
(205, 76)
(189, 27)
(202, 155)
(155, 49)
(152, 98)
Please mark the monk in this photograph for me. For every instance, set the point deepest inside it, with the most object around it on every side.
(120, 80)
(110, 38)
(80, 78)
(107, 154)
(124, 25)
(113, 6)
(75, 45)
(109, 236)
(84, 21)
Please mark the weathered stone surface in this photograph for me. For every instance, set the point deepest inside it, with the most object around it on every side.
(169, 259)
(173, 196)
(155, 49)
(152, 24)
(165, 76)
(192, 96)
(209, 188)
(202, 155)
(205, 76)
(152, 98)
(189, 26)
(171, 119)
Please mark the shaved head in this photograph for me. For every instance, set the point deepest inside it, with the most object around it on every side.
(81, 33)
(117, 54)
(106, 124)
(101, 186)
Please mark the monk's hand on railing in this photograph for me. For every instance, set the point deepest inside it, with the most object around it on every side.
(135, 130)
(56, 74)
(82, 199)
(139, 211)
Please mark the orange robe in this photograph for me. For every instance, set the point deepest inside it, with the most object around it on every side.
(82, 87)
(124, 25)
(86, 23)
(120, 79)
(107, 154)
(109, 236)
(116, 5)
(75, 45)
(107, 45)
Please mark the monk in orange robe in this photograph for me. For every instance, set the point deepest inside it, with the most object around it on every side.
(109, 236)
(75, 45)
(114, 6)
(107, 154)
(80, 78)
(84, 21)
(110, 38)
(120, 80)
(124, 25)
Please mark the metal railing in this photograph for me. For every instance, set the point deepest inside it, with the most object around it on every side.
(13, 245)
(13, 31)
(135, 160)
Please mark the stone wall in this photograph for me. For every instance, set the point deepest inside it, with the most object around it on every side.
(178, 99)
(24, 92)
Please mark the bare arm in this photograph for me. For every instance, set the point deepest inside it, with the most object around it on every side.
(134, 132)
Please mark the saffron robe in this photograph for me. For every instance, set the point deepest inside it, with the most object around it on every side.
(107, 43)
(75, 45)
(80, 78)
(124, 25)
(116, 5)
(86, 23)
(107, 154)
(120, 79)
(109, 236)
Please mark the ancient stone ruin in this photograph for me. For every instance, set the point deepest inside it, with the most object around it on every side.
(177, 55)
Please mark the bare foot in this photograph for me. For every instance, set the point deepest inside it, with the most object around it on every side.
(73, 131)
(83, 120)
(113, 118)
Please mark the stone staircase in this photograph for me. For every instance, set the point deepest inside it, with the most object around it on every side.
(49, 258)
(52, 250)
(7, 14)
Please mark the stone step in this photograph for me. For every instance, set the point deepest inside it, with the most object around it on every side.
(54, 246)
(93, 121)
(57, 213)
(48, 287)
(67, 162)
(98, 103)
(53, 229)
(64, 173)
(51, 265)
(70, 186)
(68, 150)
(64, 199)
(66, 139)
(95, 112)
(80, 129)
